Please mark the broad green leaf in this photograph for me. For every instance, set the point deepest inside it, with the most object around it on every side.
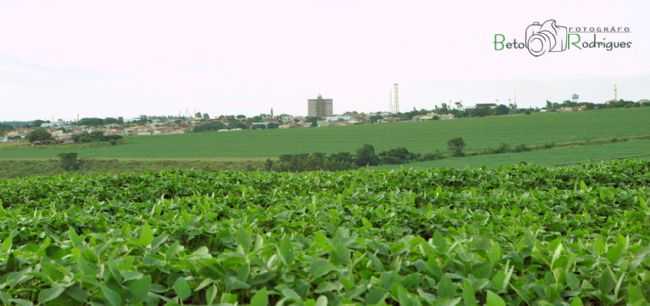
(469, 294)
(635, 295)
(261, 298)
(146, 235)
(182, 288)
(494, 300)
(50, 294)
(77, 242)
(446, 289)
(640, 257)
(77, 293)
(494, 253)
(576, 302)
(447, 302)
(244, 239)
(321, 301)
(7, 243)
(285, 250)
(22, 302)
(556, 254)
(211, 294)
(615, 251)
(405, 298)
(607, 281)
(290, 294)
(113, 298)
(139, 288)
(320, 267)
(233, 283)
(4, 298)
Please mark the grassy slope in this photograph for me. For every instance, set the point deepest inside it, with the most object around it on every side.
(638, 149)
(421, 137)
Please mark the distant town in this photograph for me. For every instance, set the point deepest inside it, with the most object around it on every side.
(320, 113)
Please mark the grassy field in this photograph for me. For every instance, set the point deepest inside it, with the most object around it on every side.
(479, 133)
(637, 149)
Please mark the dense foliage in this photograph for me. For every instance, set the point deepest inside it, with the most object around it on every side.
(95, 136)
(99, 121)
(364, 156)
(523, 235)
(210, 126)
(40, 135)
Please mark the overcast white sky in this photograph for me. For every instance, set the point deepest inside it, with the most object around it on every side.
(60, 59)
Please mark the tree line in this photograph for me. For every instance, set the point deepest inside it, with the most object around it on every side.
(366, 155)
(42, 136)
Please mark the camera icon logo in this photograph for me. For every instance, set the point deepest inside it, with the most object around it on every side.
(545, 37)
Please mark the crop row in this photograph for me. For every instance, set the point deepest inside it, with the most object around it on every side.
(523, 235)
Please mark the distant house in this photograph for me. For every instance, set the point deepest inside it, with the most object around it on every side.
(62, 136)
(433, 116)
(566, 109)
(336, 118)
(264, 125)
(4, 139)
(429, 116)
(446, 116)
(228, 130)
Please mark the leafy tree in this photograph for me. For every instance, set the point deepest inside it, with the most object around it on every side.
(481, 112)
(70, 161)
(6, 127)
(397, 156)
(110, 120)
(40, 135)
(268, 164)
(112, 139)
(313, 121)
(37, 123)
(366, 156)
(341, 161)
(432, 156)
(209, 126)
(236, 124)
(375, 118)
(96, 136)
(91, 121)
(501, 110)
(456, 146)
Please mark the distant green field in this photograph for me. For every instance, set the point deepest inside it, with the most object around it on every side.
(638, 149)
(478, 133)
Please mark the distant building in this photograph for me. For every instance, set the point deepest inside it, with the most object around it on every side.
(338, 118)
(320, 107)
(433, 116)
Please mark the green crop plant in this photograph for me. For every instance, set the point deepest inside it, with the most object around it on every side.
(520, 235)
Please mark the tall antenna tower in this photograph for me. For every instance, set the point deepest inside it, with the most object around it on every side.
(395, 99)
(615, 92)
